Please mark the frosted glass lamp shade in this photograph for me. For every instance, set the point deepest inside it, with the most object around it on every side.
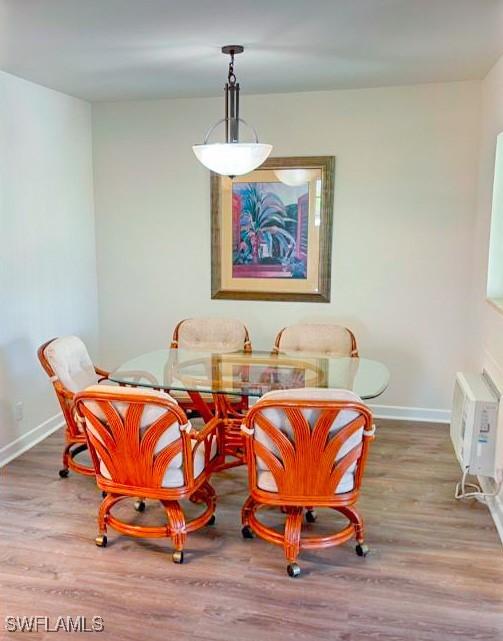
(295, 177)
(232, 158)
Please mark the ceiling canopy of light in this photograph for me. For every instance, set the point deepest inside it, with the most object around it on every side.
(233, 157)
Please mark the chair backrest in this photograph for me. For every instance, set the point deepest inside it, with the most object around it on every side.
(307, 443)
(320, 338)
(137, 439)
(67, 363)
(68, 359)
(221, 334)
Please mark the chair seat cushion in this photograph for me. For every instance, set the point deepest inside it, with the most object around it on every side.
(173, 477)
(279, 419)
(265, 481)
(105, 382)
(151, 412)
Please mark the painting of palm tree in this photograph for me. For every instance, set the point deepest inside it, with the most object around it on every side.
(269, 230)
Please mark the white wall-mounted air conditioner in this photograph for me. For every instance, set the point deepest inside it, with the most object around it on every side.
(473, 424)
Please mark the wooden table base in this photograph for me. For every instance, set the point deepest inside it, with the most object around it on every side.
(229, 421)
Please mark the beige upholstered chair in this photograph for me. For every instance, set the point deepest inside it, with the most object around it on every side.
(206, 334)
(142, 444)
(332, 340)
(220, 334)
(306, 448)
(70, 369)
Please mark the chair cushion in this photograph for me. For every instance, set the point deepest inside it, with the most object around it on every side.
(173, 476)
(266, 482)
(71, 363)
(279, 419)
(150, 412)
(204, 334)
(104, 383)
(332, 340)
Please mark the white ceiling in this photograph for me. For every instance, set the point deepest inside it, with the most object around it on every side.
(125, 49)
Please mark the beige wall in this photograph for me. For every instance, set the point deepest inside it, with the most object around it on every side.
(405, 194)
(47, 248)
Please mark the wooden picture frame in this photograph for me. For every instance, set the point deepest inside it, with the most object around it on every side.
(287, 257)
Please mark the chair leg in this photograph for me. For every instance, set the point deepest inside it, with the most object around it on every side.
(70, 461)
(139, 504)
(350, 512)
(210, 498)
(64, 471)
(202, 494)
(206, 495)
(101, 539)
(291, 543)
(177, 529)
(293, 527)
(357, 521)
(246, 511)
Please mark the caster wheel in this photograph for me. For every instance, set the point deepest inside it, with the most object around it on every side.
(247, 532)
(177, 556)
(64, 473)
(311, 516)
(212, 520)
(293, 570)
(361, 549)
(101, 540)
(139, 505)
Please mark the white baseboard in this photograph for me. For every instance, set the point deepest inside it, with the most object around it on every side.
(40, 432)
(29, 439)
(494, 503)
(411, 413)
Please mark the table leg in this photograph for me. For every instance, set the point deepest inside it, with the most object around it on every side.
(230, 424)
(201, 406)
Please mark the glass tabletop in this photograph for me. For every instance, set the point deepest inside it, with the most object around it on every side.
(251, 374)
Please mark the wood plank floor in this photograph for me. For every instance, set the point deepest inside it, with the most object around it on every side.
(435, 571)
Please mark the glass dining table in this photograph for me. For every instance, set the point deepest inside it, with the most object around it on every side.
(221, 384)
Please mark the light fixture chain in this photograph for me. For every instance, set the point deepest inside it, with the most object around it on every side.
(232, 76)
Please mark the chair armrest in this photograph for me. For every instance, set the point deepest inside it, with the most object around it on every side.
(209, 428)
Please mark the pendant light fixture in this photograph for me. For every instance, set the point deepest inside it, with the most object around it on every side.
(232, 157)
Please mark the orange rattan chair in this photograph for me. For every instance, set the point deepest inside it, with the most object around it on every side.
(67, 363)
(306, 448)
(206, 334)
(141, 444)
(319, 338)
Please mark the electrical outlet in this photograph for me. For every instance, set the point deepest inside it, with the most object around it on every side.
(18, 412)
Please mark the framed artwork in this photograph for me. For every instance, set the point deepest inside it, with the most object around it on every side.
(272, 231)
